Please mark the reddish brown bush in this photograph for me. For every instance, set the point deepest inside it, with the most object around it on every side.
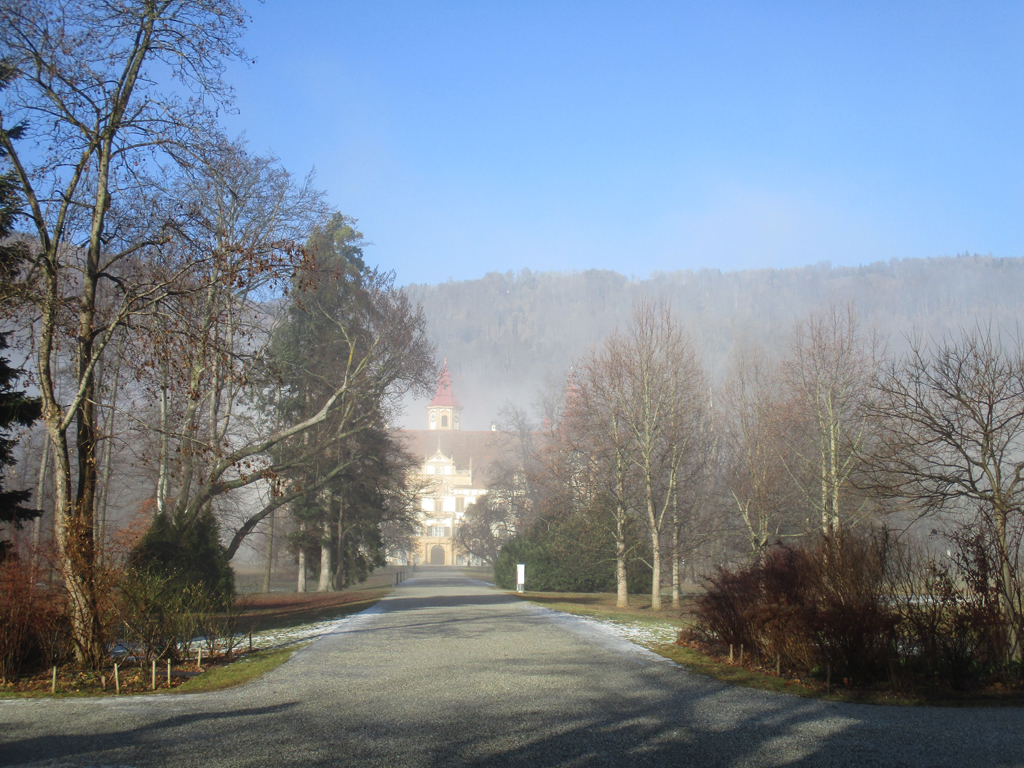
(866, 607)
(33, 629)
(807, 607)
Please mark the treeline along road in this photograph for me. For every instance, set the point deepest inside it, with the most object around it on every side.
(448, 671)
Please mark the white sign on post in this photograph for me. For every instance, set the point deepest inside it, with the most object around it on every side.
(521, 577)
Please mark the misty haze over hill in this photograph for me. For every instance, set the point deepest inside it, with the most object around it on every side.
(509, 336)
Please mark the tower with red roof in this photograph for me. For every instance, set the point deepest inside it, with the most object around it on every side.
(444, 411)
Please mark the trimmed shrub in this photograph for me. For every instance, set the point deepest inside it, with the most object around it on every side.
(186, 557)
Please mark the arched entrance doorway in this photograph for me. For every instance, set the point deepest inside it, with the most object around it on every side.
(437, 555)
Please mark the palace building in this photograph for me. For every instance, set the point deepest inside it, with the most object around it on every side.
(452, 475)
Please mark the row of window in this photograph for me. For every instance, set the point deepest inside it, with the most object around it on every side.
(458, 504)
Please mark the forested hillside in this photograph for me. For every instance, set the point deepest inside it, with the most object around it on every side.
(508, 336)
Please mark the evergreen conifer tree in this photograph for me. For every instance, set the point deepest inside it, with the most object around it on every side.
(16, 408)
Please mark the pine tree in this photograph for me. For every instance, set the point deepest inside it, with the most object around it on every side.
(16, 408)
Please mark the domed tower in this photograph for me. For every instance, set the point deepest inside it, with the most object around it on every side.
(444, 411)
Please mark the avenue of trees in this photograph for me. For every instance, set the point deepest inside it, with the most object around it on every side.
(206, 356)
(884, 489)
(207, 343)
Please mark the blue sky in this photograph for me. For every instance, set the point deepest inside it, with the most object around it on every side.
(469, 137)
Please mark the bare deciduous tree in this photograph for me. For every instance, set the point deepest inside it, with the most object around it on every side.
(829, 371)
(753, 424)
(86, 90)
(598, 442)
(951, 420)
(665, 413)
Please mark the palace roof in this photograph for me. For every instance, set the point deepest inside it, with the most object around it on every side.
(480, 451)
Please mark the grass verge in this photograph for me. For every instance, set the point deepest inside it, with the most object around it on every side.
(280, 625)
(751, 675)
(239, 672)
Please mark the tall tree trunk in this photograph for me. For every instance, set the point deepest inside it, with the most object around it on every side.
(1007, 598)
(269, 570)
(622, 585)
(161, 476)
(340, 571)
(301, 586)
(655, 570)
(652, 521)
(325, 567)
(675, 553)
(73, 534)
(100, 526)
(37, 523)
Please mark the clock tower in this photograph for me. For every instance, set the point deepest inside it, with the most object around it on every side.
(444, 411)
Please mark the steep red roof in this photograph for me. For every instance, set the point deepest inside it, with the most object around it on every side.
(444, 394)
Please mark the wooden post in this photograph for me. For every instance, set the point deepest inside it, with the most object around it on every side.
(828, 678)
(730, 653)
(741, 653)
(53, 683)
(199, 660)
(154, 674)
(778, 666)
(168, 673)
(117, 680)
(103, 682)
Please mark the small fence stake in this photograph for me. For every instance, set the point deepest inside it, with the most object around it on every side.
(199, 659)
(53, 683)
(117, 680)
(778, 666)
(154, 674)
(168, 673)
(828, 678)
(730, 653)
(103, 682)
(741, 653)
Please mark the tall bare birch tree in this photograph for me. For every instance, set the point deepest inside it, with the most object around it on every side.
(597, 435)
(665, 409)
(753, 442)
(829, 371)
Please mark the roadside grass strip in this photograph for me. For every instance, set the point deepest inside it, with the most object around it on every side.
(646, 634)
(268, 649)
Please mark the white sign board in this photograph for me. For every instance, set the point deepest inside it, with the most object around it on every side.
(520, 577)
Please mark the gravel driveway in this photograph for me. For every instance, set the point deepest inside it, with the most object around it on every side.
(448, 672)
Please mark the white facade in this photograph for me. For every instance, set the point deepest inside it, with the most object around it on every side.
(449, 480)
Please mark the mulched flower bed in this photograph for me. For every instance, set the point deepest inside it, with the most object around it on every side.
(134, 677)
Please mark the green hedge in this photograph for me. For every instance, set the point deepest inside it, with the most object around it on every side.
(572, 554)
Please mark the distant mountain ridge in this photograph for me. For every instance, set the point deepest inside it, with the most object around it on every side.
(506, 336)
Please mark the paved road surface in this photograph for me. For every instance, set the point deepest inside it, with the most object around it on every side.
(447, 672)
